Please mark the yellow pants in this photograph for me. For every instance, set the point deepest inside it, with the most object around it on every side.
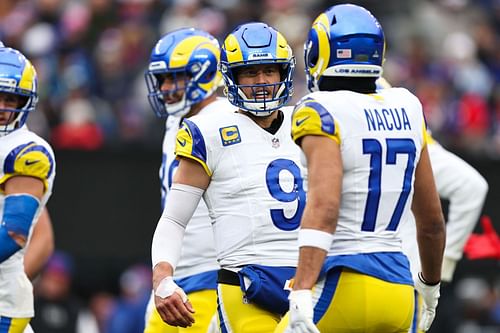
(418, 314)
(13, 325)
(205, 305)
(240, 317)
(351, 302)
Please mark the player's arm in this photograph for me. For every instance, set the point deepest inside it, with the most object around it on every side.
(41, 245)
(22, 199)
(318, 223)
(321, 212)
(190, 181)
(430, 237)
(466, 191)
(429, 219)
(315, 130)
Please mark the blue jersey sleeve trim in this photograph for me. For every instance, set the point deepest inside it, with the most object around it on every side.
(199, 149)
(9, 164)
(327, 122)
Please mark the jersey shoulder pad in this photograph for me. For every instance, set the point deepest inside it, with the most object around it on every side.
(29, 159)
(190, 143)
(311, 118)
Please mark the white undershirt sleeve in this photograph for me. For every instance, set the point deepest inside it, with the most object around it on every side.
(180, 205)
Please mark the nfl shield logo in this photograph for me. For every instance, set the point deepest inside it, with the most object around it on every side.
(276, 143)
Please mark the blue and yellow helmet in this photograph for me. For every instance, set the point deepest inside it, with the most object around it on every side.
(192, 52)
(345, 40)
(18, 77)
(257, 44)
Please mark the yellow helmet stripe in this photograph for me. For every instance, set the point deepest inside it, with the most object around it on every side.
(212, 85)
(28, 77)
(322, 27)
(182, 52)
(233, 49)
(283, 51)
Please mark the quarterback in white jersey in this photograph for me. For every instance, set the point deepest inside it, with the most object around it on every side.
(182, 79)
(27, 169)
(248, 171)
(367, 166)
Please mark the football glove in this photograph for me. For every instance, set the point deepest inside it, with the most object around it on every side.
(430, 295)
(301, 312)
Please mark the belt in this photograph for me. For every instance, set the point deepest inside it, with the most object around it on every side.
(225, 276)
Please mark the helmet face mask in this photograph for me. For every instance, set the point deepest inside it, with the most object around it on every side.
(172, 99)
(257, 47)
(18, 89)
(346, 41)
(188, 60)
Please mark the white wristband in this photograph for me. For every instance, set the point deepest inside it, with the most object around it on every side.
(168, 287)
(315, 238)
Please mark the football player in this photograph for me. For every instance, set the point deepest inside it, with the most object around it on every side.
(182, 78)
(465, 189)
(26, 176)
(248, 170)
(368, 164)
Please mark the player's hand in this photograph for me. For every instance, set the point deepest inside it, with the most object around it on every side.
(172, 304)
(301, 312)
(430, 295)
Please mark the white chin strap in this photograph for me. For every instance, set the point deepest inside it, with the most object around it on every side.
(178, 109)
(13, 125)
(261, 109)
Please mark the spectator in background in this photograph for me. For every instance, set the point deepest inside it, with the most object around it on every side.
(113, 35)
(56, 309)
(128, 313)
(102, 305)
(78, 129)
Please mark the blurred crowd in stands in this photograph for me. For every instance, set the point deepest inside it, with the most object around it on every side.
(91, 56)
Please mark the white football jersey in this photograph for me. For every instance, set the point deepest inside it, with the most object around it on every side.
(465, 189)
(198, 249)
(256, 195)
(381, 137)
(22, 153)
